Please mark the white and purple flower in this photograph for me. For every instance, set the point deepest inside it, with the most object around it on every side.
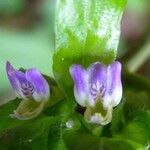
(99, 89)
(32, 88)
(30, 84)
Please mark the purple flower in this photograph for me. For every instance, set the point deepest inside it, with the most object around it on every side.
(98, 88)
(32, 88)
(28, 85)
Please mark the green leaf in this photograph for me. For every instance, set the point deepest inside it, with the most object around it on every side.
(5, 111)
(62, 108)
(79, 139)
(136, 95)
(42, 132)
(138, 129)
(131, 118)
(118, 119)
(86, 31)
(36, 134)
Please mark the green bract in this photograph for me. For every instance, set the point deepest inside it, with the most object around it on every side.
(86, 31)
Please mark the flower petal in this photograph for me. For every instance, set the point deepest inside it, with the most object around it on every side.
(22, 84)
(28, 109)
(11, 75)
(41, 87)
(113, 92)
(17, 80)
(97, 117)
(81, 86)
(97, 79)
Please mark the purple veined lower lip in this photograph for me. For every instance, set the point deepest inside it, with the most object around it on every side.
(97, 91)
(97, 80)
(27, 90)
(28, 84)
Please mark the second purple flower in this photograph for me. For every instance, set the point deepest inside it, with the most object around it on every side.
(99, 89)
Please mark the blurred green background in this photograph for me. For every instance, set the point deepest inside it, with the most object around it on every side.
(27, 37)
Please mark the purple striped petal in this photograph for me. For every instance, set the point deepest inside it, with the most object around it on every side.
(17, 80)
(97, 73)
(23, 85)
(113, 92)
(41, 87)
(81, 87)
(11, 75)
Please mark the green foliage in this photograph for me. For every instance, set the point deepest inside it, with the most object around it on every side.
(83, 140)
(43, 132)
(31, 135)
(129, 128)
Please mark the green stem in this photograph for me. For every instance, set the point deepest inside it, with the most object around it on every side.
(139, 58)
